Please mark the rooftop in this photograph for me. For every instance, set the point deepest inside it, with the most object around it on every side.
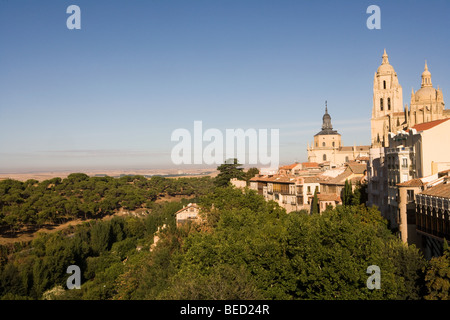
(289, 167)
(328, 197)
(440, 191)
(428, 125)
(357, 168)
(412, 183)
(310, 165)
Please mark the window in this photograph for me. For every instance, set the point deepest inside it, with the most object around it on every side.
(309, 189)
(384, 84)
(323, 144)
(411, 216)
(333, 143)
(389, 103)
(346, 159)
(324, 157)
(381, 104)
(410, 195)
(404, 163)
(291, 189)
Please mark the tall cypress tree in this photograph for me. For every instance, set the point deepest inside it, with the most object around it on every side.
(347, 193)
(315, 203)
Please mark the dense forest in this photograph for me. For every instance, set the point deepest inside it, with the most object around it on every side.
(245, 248)
(33, 203)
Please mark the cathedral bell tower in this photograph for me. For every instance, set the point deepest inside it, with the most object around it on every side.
(387, 102)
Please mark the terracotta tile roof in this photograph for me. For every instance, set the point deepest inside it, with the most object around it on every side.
(276, 178)
(412, 183)
(289, 167)
(357, 168)
(340, 179)
(328, 197)
(429, 125)
(288, 179)
(441, 191)
(281, 179)
(310, 165)
(315, 179)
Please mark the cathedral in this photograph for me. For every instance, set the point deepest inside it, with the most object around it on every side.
(388, 115)
(388, 112)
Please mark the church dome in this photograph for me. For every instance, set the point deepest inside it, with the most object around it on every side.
(426, 73)
(327, 127)
(385, 68)
(327, 119)
(425, 93)
(385, 65)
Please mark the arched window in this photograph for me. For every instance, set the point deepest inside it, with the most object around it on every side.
(381, 104)
(384, 84)
(324, 157)
(389, 103)
(333, 143)
(323, 144)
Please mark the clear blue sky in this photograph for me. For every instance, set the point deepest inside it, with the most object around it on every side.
(110, 95)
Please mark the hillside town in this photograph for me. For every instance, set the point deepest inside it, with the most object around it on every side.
(405, 170)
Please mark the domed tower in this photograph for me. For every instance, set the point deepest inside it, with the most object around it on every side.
(427, 104)
(326, 121)
(327, 138)
(387, 110)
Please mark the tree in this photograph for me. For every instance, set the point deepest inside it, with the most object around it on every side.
(250, 174)
(437, 278)
(347, 193)
(360, 194)
(229, 170)
(315, 203)
(101, 236)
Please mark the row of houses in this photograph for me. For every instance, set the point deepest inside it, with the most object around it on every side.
(293, 187)
(294, 190)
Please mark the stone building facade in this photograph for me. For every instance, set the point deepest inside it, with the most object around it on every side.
(390, 119)
(327, 146)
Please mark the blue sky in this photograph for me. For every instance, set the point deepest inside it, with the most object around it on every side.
(109, 95)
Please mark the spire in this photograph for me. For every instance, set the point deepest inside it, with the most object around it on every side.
(327, 127)
(426, 77)
(385, 58)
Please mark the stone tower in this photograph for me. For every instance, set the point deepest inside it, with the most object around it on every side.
(327, 138)
(387, 110)
(427, 104)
